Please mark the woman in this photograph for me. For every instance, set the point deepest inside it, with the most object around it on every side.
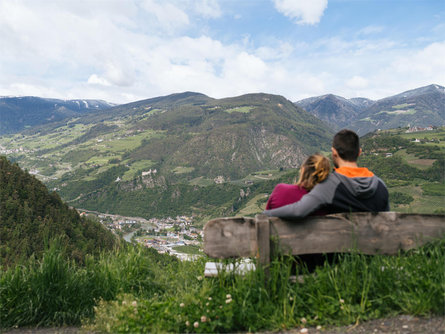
(314, 170)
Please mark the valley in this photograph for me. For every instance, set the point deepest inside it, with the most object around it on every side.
(174, 155)
(154, 172)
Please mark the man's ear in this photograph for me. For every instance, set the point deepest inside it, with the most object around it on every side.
(334, 152)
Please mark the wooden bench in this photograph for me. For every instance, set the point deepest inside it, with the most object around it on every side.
(366, 232)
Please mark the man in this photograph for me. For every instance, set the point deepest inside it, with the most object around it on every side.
(349, 188)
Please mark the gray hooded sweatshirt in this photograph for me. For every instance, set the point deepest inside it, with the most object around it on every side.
(357, 189)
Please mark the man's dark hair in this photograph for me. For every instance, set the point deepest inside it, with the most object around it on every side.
(347, 144)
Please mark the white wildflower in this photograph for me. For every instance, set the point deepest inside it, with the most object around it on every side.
(228, 301)
(187, 323)
(181, 305)
(196, 324)
(303, 320)
(228, 296)
(134, 303)
(203, 318)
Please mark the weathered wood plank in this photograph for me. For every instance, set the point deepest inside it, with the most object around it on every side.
(263, 238)
(230, 237)
(370, 233)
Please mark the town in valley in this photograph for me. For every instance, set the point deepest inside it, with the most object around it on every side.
(175, 236)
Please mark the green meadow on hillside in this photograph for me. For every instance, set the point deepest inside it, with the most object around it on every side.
(412, 166)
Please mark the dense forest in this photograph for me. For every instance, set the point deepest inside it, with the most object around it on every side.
(30, 216)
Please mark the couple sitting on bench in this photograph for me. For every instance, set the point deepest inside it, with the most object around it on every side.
(348, 188)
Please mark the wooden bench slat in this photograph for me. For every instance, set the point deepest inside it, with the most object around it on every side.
(369, 233)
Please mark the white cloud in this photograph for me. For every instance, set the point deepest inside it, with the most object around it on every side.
(168, 16)
(369, 30)
(207, 8)
(124, 52)
(357, 82)
(281, 50)
(302, 11)
(428, 62)
(94, 79)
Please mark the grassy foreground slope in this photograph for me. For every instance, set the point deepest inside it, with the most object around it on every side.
(139, 291)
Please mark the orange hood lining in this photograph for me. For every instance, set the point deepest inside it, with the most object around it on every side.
(354, 171)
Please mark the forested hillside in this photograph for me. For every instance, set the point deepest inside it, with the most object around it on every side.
(30, 217)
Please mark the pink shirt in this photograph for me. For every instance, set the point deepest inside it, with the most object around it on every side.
(284, 194)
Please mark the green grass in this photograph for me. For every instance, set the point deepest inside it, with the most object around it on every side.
(434, 189)
(95, 152)
(246, 109)
(401, 111)
(136, 167)
(188, 249)
(414, 161)
(255, 205)
(183, 170)
(136, 290)
(422, 203)
(201, 181)
(402, 106)
(47, 141)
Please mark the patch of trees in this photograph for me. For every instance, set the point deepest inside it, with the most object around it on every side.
(30, 217)
(397, 197)
(426, 151)
(101, 181)
(394, 169)
(434, 189)
(390, 143)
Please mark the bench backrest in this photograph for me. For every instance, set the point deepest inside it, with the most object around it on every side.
(369, 233)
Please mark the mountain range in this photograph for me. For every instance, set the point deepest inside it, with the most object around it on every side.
(188, 153)
(19, 113)
(177, 154)
(424, 106)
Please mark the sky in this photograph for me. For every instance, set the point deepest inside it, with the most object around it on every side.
(128, 50)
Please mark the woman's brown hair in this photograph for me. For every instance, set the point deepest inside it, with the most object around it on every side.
(313, 171)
